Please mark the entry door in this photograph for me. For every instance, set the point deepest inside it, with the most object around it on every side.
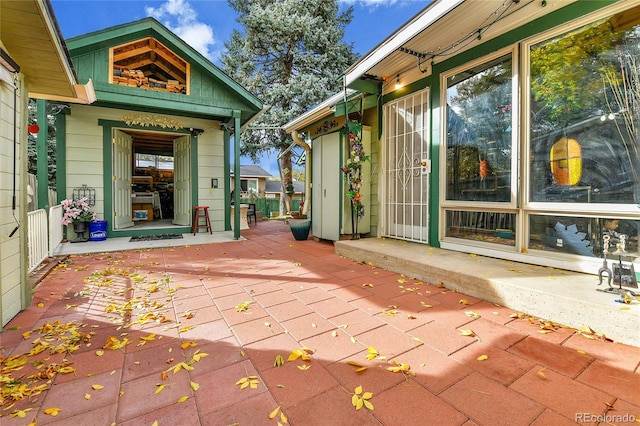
(121, 180)
(406, 168)
(326, 193)
(182, 181)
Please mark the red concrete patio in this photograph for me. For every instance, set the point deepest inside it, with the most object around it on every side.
(189, 335)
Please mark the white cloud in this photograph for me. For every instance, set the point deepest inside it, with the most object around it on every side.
(180, 17)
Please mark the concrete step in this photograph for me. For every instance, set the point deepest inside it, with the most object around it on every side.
(565, 297)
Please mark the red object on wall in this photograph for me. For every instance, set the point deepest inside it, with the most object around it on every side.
(33, 128)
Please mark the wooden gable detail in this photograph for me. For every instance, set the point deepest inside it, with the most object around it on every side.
(150, 65)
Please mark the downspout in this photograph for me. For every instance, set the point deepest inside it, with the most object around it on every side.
(307, 170)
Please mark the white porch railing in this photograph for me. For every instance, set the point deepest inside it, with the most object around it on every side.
(37, 237)
(55, 228)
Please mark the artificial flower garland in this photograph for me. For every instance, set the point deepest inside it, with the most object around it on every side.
(353, 167)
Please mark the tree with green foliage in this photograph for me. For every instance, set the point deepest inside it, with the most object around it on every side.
(32, 145)
(291, 56)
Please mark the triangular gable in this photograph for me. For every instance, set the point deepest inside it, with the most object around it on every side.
(145, 64)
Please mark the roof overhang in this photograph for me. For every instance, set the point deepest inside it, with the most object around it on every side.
(442, 30)
(321, 111)
(30, 34)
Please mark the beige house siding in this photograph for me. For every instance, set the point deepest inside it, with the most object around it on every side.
(211, 165)
(13, 250)
(85, 158)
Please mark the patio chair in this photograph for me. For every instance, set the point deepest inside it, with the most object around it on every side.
(251, 212)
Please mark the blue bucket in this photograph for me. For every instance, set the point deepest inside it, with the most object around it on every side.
(98, 230)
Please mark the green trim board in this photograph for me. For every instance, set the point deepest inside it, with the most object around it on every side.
(210, 87)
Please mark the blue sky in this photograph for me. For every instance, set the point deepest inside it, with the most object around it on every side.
(207, 24)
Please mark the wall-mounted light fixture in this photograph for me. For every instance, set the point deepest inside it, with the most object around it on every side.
(398, 84)
(195, 132)
(214, 182)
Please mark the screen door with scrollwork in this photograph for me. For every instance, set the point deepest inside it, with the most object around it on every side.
(405, 213)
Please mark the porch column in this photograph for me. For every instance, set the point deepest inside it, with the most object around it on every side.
(43, 158)
(236, 174)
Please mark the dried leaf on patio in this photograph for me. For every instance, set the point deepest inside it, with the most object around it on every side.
(467, 332)
(145, 339)
(243, 307)
(541, 374)
(302, 353)
(185, 345)
(399, 367)
(186, 328)
(359, 367)
(425, 305)
(463, 302)
(279, 361)
(360, 399)
(183, 399)
(304, 367)
(249, 381)
(372, 352)
(482, 357)
(113, 343)
(159, 388)
(197, 356)
(21, 414)
(472, 314)
(97, 387)
(274, 413)
(194, 386)
(52, 411)
(180, 366)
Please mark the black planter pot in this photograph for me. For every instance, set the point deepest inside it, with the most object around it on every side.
(80, 229)
(300, 228)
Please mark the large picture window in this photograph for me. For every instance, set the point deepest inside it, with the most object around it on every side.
(479, 132)
(584, 114)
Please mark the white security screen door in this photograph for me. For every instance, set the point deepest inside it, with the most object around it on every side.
(121, 180)
(406, 168)
(182, 181)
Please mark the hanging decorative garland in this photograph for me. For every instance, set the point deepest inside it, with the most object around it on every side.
(353, 171)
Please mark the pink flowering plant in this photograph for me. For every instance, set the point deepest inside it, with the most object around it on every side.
(76, 211)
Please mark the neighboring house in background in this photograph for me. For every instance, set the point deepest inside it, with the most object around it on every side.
(158, 138)
(252, 180)
(33, 63)
(474, 110)
(273, 189)
(255, 179)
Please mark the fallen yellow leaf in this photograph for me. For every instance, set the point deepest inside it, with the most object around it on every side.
(97, 387)
(52, 411)
(482, 357)
(183, 399)
(274, 413)
(467, 332)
